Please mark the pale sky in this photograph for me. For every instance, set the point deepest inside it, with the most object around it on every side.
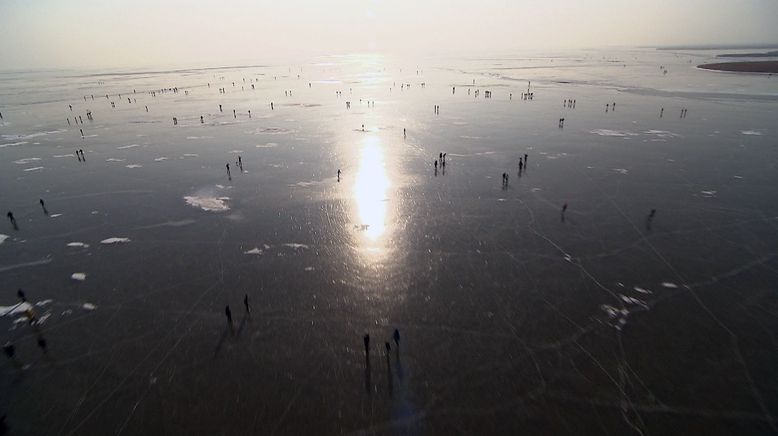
(106, 33)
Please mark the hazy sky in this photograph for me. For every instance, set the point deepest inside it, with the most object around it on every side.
(55, 33)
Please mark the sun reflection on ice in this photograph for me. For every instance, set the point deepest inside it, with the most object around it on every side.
(370, 189)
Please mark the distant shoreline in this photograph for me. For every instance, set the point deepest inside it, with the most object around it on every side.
(743, 67)
(769, 54)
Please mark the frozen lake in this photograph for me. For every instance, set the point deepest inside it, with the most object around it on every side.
(515, 316)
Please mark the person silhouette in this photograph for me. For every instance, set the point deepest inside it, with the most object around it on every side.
(13, 220)
(339, 174)
(246, 303)
(366, 340)
(396, 337)
(228, 313)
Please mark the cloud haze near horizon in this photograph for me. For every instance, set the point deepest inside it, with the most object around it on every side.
(49, 33)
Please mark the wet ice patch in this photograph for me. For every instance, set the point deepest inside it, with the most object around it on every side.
(79, 276)
(208, 203)
(115, 240)
(78, 244)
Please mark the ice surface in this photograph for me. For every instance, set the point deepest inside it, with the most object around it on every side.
(646, 306)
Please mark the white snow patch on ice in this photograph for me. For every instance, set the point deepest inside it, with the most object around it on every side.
(26, 160)
(78, 276)
(33, 169)
(12, 144)
(207, 203)
(78, 244)
(89, 306)
(115, 240)
(669, 285)
(16, 308)
(608, 132)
